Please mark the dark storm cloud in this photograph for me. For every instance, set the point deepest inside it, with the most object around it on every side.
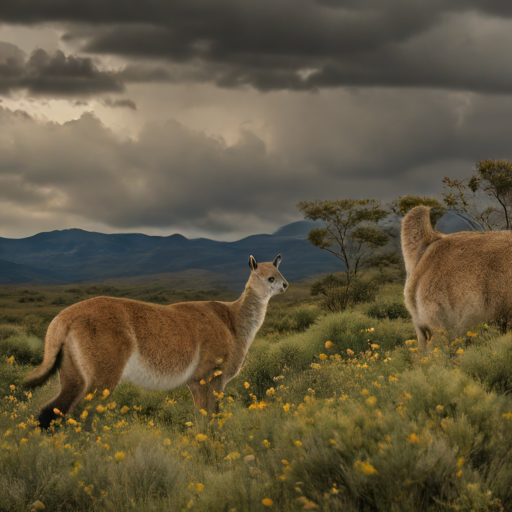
(172, 176)
(55, 75)
(122, 103)
(291, 44)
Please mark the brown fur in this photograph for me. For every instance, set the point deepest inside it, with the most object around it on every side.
(96, 338)
(455, 281)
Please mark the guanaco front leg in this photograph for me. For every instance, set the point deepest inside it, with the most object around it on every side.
(204, 394)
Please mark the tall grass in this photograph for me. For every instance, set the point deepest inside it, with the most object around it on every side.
(343, 414)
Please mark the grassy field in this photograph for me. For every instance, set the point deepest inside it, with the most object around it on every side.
(332, 411)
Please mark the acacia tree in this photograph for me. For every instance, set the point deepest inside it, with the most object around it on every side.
(404, 204)
(350, 229)
(494, 177)
(486, 196)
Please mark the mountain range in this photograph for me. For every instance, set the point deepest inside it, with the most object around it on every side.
(75, 255)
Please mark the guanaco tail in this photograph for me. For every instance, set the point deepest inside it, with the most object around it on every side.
(99, 342)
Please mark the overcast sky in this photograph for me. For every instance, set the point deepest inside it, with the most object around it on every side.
(214, 118)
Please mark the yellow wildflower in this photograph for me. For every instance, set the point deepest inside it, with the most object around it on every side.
(460, 462)
(119, 456)
(124, 409)
(365, 467)
(105, 394)
(322, 357)
(329, 345)
(413, 438)
(167, 442)
(201, 437)
(350, 353)
(471, 334)
(267, 502)
(371, 400)
(89, 397)
(100, 408)
(297, 443)
(246, 385)
(84, 415)
(266, 443)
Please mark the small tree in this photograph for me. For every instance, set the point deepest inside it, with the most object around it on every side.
(350, 229)
(404, 204)
(350, 234)
(458, 196)
(385, 262)
(486, 196)
(494, 177)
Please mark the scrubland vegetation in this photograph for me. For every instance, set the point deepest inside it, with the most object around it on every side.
(332, 411)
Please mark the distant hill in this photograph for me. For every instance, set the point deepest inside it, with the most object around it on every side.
(75, 255)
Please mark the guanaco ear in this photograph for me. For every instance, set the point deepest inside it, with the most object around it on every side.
(252, 263)
(277, 261)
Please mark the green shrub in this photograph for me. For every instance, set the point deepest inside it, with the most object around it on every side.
(348, 330)
(391, 310)
(37, 324)
(60, 301)
(26, 349)
(304, 318)
(490, 363)
(338, 294)
(8, 330)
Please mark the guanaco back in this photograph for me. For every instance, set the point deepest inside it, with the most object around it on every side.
(455, 281)
(97, 343)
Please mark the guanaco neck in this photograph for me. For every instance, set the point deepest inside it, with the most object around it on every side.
(249, 312)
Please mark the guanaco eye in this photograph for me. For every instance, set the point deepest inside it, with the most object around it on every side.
(271, 279)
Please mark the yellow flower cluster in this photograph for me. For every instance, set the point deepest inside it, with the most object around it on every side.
(365, 467)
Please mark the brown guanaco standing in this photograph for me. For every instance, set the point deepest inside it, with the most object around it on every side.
(99, 342)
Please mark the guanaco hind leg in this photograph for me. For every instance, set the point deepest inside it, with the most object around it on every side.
(71, 392)
(76, 382)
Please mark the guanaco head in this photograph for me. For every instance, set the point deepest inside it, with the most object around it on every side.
(266, 278)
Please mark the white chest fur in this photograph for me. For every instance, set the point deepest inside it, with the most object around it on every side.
(140, 373)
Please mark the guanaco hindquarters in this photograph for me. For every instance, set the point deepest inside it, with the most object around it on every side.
(455, 281)
(99, 342)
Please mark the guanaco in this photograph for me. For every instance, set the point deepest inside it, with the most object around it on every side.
(455, 281)
(99, 342)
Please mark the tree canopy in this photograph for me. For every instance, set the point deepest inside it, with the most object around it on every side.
(350, 228)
